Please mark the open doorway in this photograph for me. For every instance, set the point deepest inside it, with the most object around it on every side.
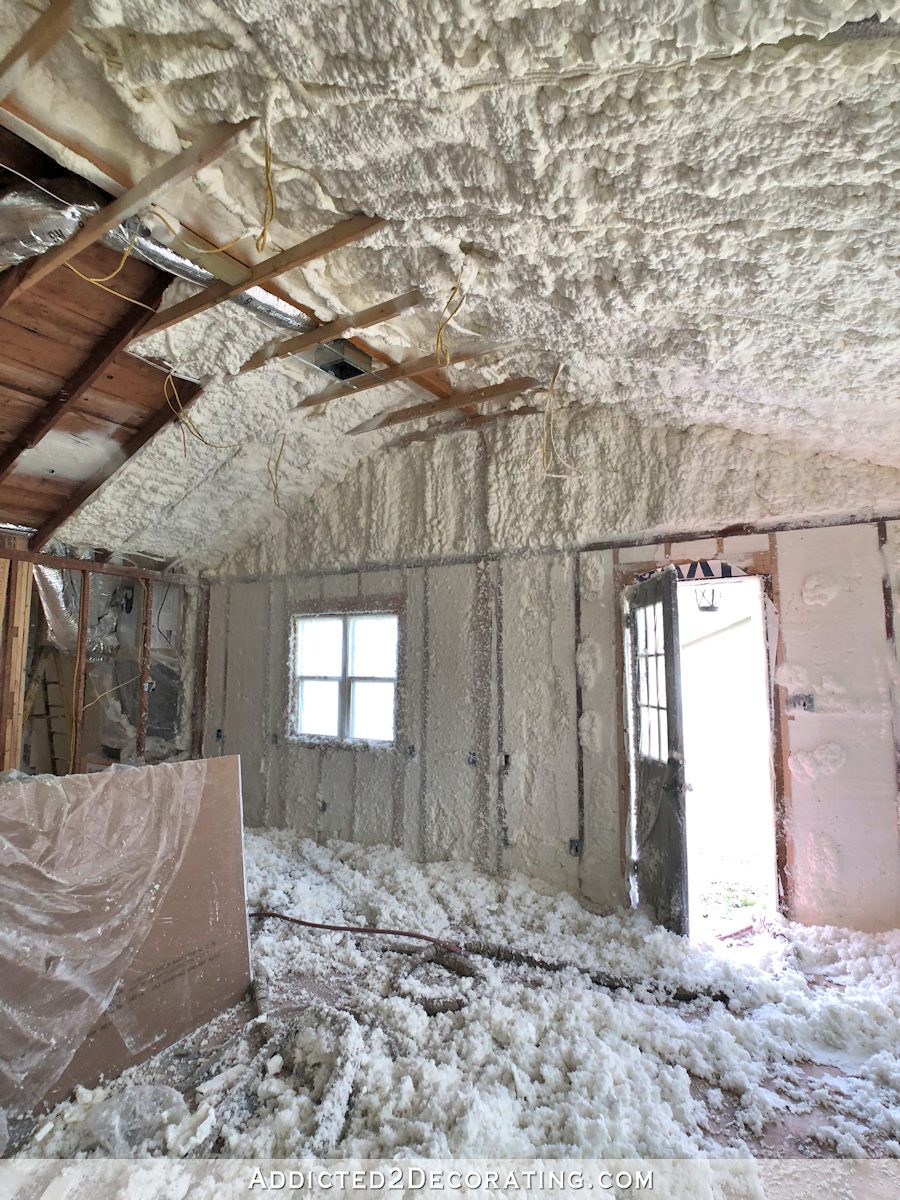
(729, 806)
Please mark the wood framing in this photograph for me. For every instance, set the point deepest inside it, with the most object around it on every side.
(323, 243)
(16, 616)
(91, 566)
(97, 361)
(272, 351)
(465, 424)
(483, 395)
(395, 374)
(34, 44)
(211, 145)
(164, 415)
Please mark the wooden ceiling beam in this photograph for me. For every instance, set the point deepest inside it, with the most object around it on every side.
(482, 395)
(164, 415)
(275, 350)
(73, 390)
(463, 425)
(211, 145)
(396, 374)
(323, 243)
(34, 44)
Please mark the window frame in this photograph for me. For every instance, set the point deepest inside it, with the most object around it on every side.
(381, 606)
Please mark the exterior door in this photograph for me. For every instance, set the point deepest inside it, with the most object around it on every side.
(657, 748)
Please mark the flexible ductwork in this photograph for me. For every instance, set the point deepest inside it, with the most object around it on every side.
(60, 609)
(32, 221)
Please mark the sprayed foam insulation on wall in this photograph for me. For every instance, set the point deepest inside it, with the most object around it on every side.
(491, 665)
(689, 204)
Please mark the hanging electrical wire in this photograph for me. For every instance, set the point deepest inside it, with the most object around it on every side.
(269, 207)
(553, 463)
(273, 466)
(455, 301)
(186, 423)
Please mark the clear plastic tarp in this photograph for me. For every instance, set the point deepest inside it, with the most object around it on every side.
(86, 860)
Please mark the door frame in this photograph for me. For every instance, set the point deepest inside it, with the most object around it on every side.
(764, 564)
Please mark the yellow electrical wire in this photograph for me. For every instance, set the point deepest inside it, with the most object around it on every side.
(126, 253)
(273, 467)
(112, 291)
(448, 312)
(552, 458)
(186, 423)
(192, 245)
(109, 691)
(269, 207)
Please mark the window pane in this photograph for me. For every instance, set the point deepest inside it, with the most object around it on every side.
(663, 735)
(373, 646)
(372, 711)
(320, 645)
(653, 729)
(318, 708)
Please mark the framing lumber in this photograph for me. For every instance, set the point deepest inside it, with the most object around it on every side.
(339, 235)
(188, 393)
(34, 44)
(59, 563)
(464, 425)
(482, 395)
(17, 614)
(85, 377)
(395, 374)
(272, 351)
(211, 145)
(140, 740)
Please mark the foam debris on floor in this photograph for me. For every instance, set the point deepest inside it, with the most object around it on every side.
(382, 1046)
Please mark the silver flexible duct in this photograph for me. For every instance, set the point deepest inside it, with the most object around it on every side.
(61, 613)
(33, 220)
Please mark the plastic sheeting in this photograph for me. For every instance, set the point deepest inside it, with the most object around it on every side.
(70, 849)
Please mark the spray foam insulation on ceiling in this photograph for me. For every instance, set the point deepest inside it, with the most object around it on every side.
(690, 206)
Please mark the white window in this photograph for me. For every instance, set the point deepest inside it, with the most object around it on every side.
(345, 676)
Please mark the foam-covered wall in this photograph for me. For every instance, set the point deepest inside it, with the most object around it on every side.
(492, 659)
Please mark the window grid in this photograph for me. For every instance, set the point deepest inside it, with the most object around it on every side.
(346, 681)
(650, 669)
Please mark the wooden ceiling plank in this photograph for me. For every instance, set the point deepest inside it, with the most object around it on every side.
(494, 391)
(34, 44)
(187, 393)
(72, 391)
(339, 235)
(211, 144)
(275, 350)
(395, 374)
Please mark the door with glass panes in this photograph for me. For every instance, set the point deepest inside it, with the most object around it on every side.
(659, 846)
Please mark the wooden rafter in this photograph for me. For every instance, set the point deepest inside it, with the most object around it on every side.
(206, 149)
(34, 44)
(323, 243)
(464, 424)
(326, 333)
(187, 393)
(97, 361)
(402, 371)
(463, 400)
